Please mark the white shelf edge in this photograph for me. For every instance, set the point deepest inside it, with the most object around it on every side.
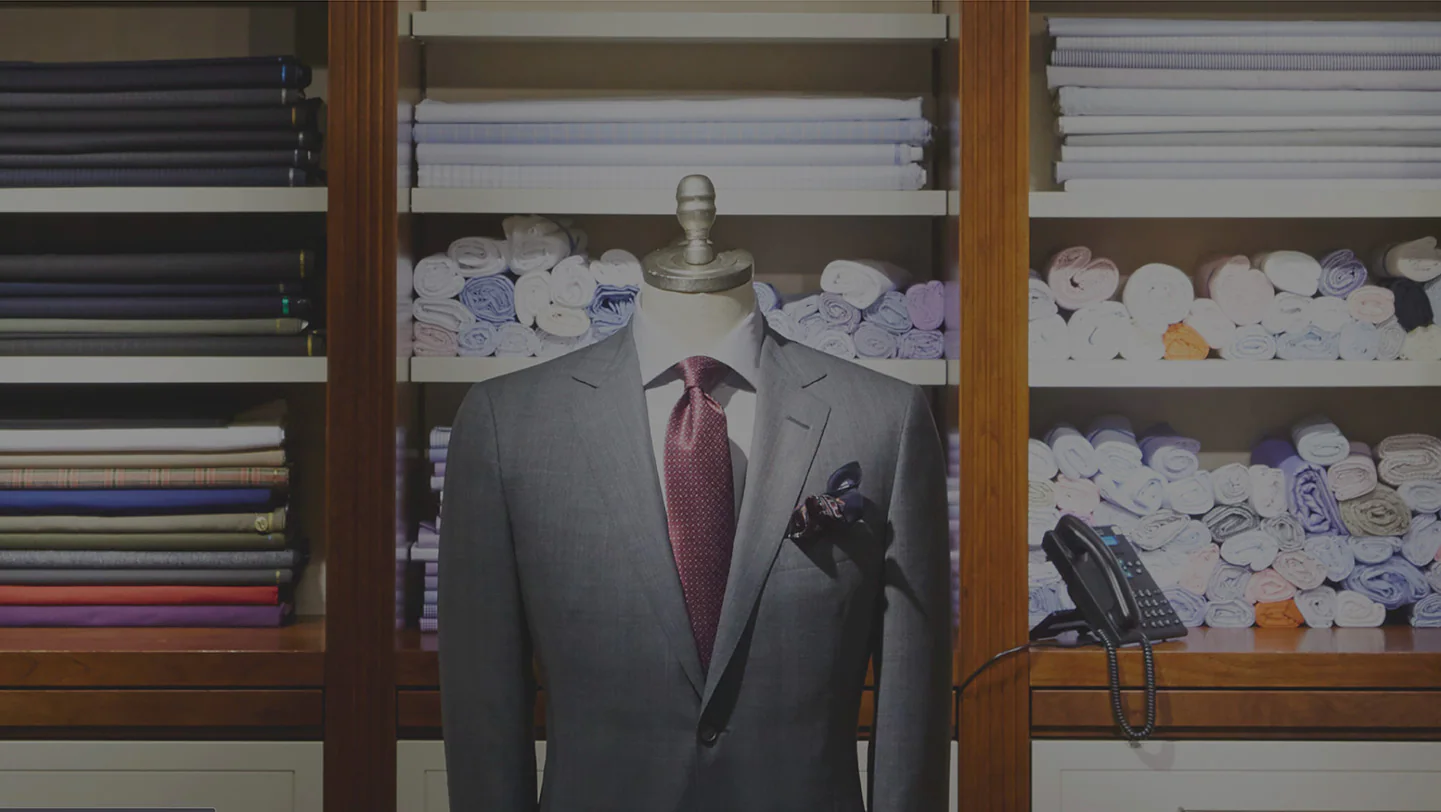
(661, 202)
(1220, 374)
(474, 370)
(694, 27)
(154, 199)
(147, 370)
(953, 372)
(1200, 201)
(953, 202)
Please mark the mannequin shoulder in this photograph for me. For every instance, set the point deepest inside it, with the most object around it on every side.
(534, 390)
(845, 379)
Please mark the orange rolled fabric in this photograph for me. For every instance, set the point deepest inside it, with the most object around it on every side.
(1183, 343)
(1279, 615)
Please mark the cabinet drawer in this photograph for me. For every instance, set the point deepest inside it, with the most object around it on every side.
(224, 776)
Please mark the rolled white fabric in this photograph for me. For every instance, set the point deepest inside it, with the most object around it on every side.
(1253, 548)
(1423, 344)
(1078, 280)
(1287, 313)
(832, 342)
(1140, 344)
(781, 322)
(1409, 457)
(1156, 530)
(1042, 302)
(515, 340)
(1158, 295)
(1117, 517)
(1038, 522)
(1097, 332)
(1417, 260)
(1290, 271)
(1040, 495)
(1374, 549)
(1330, 313)
(1334, 552)
(535, 243)
(1356, 611)
(554, 346)
(1192, 495)
(447, 314)
(1075, 456)
(862, 281)
(1042, 463)
(1228, 582)
(1360, 341)
(617, 267)
(571, 283)
(1286, 530)
(1215, 326)
(1117, 452)
(1422, 543)
(1079, 497)
(532, 295)
(1318, 606)
(1433, 577)
(565, 322)
(1232, 484)
(479, 256)
(1392, 338)
(1372, 304)
(1242, 292)
(1421, 495)
(1230, 615)
(1250, 343)
(1319, 441)
(1268, 490)
(1267, 586)
(437, 277)
(1141, 491)
(1300, 568)
(1165, 566)
(1049, 339)
(1168, 453)
(1354, 476)
(1200, 567)
(1193, 537)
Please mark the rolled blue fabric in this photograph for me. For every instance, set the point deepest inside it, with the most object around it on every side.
(1341, 273)
(874, 341)
(515, 340)
(766, 296)
(1374, 549)
(1426, 614)
(1393, 583)
(611, 308)
(837, 313)
(804, 313)
(832, 342)
(1230, 615)
(1189, 606)
(490, 298)
(1042, 600)
(478, 340)
(1308, 495)
(891, 312)
(1311, 344)
(1335, 552)
(925, 345)
(784, 325)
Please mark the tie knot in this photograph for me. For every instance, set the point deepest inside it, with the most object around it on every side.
(701, 372)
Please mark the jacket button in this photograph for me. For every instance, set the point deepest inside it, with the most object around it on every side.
(708, 735)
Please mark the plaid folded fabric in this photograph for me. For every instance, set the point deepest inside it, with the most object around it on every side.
(58, 478)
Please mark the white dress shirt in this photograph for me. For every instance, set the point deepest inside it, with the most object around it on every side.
(740, 350)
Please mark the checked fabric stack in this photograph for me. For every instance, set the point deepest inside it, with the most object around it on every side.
(740, 143)
(1316, 531)
(866, 309)
(211, 304)
(114, 523)
(1277, 304)
(198, 122)
(1270, 101)
(426, 549)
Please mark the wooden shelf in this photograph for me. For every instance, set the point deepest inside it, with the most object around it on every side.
(162, 200)
(472, 370)
(661, 202)
(1393, 657)
(667, 27)
(1220, 374)
(415, 662)
(148, 370)
(1207, 199)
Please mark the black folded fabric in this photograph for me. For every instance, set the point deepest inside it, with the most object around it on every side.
(296, 117)
(269, 346)
(250, 176)
(1413, 306)
(24, 289)
(169, 74)
(223, 266)
(156, 141)
(155, 307)
(297, 158)
(152, 99)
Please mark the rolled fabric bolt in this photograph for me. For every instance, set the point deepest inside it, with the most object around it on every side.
(1250, 343)
(1200, 566)
(1423, 344)
(1156, 530)
(437, 277)
(766, 296)
(1158, 296)
(1042, 463)
(535, 244)
(1232, 484)
(1165, 567)
(556, 346)
(1413, 306)
(532, 295)
(477, 341)
(515, 340)
(1422, 543)
(1226, 521)
(1392, 339)
(926, 302)
(448, 314)
(1138, 344)
(1049, 339)
(1409, 457)
(863, 281)
(1075, 456)
(1287, 313)
(1038, 522)
(1433, 576)
(1418, 260)
(1268, 490)
(1317, 606)
(783, 325)
(620, 268)
(565, 322)
(1194, 536)
(1426, 613)
(1114, 441)
(1042, 600)
(1230, 615)
(1330, 313)
(1356, 611)
(889, 311)
(1279, 615)
(1359, 342)
(1117, 517)
(1242, 292)
(433, 342)
(1097, 332)
(1318, 440)
(490, 298)
(1039, 495)
(1253, 548)
(1188, 606)
(1334, 552)
(1421, 495)
(1041, 302)
(1354, 476)
(805, 313)
(1183, 343)
(1141, 491)
(1341, 273)
(1168, 453)
(1286, 530)
(1372, 304)
(923, 345)
(1433, 292)
(571, 283)
(1290, 271)
(1079, 497)
(833, 342)
(611, 309)
(1078, 280)
(837, 313)
(479, 256)
(1374, 549)
(874, 341)
(1310, 344)
(1228, 583)
(1207, 319)
(1300, 568)
(1381, 512)
(1192, 495)
(1393, 583)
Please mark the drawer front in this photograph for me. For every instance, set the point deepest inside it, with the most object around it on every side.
(1225, 776)
(223, 776)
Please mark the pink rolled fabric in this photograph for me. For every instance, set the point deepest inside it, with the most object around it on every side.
(926, 303)
(1267, 586)
(1242, 292)
(1372, 304)
(1078, 279)
(1200, 565)
(1080, 497)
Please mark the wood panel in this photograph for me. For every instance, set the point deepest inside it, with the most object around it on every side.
(1245, 714)
(993, 724)
(160, 708)
(360, 407)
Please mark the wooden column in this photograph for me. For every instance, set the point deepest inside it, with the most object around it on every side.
(360, 409)
(994, 732)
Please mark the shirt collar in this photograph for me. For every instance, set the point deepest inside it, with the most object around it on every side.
(740, 349)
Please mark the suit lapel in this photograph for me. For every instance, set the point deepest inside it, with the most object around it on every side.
(618, 448)
(788, 427)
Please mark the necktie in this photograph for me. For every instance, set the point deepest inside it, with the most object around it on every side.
(700, 499)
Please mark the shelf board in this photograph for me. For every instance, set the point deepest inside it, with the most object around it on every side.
(162, 200)
(1220, 374)
(291, 656)
(661, 202)
(668, 27)
(474, 370)
(1396, 657)
(1202, 199)
(148, 370)
(416, 665)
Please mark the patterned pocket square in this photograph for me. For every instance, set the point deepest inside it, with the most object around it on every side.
(840, 506)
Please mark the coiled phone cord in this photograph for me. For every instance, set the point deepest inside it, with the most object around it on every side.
(1132, 735)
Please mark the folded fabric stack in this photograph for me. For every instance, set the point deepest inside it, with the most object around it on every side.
(405, 146)
(1317, 530)
(210, 304)
(1270, 101)
(740, 143)
(426, 549)
(126, 523)
(953, 504)
(1277, 304)
(182, 122)
(865, 309)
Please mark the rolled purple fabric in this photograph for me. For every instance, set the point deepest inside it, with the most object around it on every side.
(926, 345)
(1272, 451)
(953, 306)
(927, 305)
(1308, 496)
(163, 616)
(1341, 273)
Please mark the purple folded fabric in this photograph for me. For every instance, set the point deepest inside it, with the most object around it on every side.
(1272, 451)
(922, 345)
(1308, 496)
(927, 305)
(1341, 273)
(432, 568)
(164, 616)
(953, 306)
(132, 502)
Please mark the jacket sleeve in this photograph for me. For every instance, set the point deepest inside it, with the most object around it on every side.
(487, 688)
(912, 658)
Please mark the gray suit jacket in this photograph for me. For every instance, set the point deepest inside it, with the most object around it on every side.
(554, 548)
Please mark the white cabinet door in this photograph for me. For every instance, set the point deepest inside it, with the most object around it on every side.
(1223, 776)
(224, 776)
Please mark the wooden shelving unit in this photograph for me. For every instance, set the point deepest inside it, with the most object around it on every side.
(667, 27)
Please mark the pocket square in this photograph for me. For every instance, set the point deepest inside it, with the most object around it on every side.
(840, 506)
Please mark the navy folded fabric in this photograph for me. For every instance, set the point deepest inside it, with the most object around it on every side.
(224, 266)
(295, 117)
(169, 74)
(152, 99)
(253, 176)
(61, 142)
(154, 307)
(301, 346)
(1413, 306)
(110, 502)
(23, 289)
(298, 158)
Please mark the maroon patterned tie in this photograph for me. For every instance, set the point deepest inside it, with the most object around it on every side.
(700, 499)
